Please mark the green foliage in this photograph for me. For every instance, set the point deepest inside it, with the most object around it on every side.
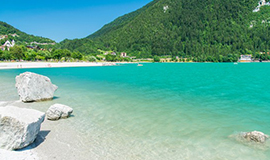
(110, 58)
(156, 59)
(209, 30)
(6, 29)
(16, 52)
(90, 58)
(86, 46)
(1, 54)
(22, 53)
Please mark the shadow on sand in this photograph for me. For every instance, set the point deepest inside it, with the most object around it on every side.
(44, 100)
(40, 139)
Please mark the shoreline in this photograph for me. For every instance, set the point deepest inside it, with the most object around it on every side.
(52, 134)
(22, 65)
(25, 65)
(27, 152)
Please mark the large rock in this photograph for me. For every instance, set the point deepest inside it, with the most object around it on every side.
(255, 136)
(19, 126)
(58, 111)
(34, 87)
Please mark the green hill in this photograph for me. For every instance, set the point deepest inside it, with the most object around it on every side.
(209, 29)
(20, 37)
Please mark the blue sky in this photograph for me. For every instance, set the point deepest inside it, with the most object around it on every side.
(63, 18)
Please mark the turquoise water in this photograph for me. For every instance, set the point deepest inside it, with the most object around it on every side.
(163, 111)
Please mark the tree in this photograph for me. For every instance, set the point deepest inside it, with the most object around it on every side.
(1, 54)
(76, 55)
(156, 59)
(90, 58)
(6, 55)
(16, 52)
(57, 54)
(110, 58)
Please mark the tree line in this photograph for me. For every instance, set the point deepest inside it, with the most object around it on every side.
(209, 30)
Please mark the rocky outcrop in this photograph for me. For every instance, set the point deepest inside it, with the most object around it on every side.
(34, 87)
(255, 136)
(58, 111)
(19, 126)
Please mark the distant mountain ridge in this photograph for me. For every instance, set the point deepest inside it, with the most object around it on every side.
(8, 32)
(189, 28)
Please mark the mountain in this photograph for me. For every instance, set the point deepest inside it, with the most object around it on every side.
(9, 32)
(209, 29)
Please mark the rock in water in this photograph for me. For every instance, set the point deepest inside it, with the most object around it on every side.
(19, 126)
(255, 136)
(58, 111)
(34, 87)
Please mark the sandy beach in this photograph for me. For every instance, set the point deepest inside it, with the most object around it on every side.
(53, 134)
(56, 140)
(18, 65)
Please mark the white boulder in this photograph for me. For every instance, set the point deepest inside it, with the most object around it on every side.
(34, 87)
(255, 136)
(58, 111)
(19, 126)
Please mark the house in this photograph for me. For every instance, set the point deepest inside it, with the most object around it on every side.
(245, 58)
(14, 35)
(112, 53)
(123, 54)
(35, 47)
(260, 4)
(8, 45)
(3, 37)
(30, 47)
(264, 53)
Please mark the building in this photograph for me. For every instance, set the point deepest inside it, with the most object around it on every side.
(3, 37)
(245, 58)
(7, 45)
(112, 53)
(123, 54)
(14, 35)
(264, 53)
(260, 4)
(30, 47)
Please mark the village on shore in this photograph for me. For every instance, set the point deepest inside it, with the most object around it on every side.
(44, 52)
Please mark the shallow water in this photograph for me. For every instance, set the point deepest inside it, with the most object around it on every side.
(161, 111)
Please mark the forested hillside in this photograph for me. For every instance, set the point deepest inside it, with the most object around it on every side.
(211, 29)
(6, 29)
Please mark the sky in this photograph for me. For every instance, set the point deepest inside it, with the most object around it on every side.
(61, 19)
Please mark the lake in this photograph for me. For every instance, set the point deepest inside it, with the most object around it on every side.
(161, 110)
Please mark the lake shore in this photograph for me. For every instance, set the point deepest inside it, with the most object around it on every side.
(52, 135)
(190, 111)
(18, 65)
(21, 65)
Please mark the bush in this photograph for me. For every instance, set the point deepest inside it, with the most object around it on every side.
(156, 59)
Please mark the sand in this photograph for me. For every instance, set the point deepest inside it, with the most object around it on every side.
(56, 140)
(18, 65)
